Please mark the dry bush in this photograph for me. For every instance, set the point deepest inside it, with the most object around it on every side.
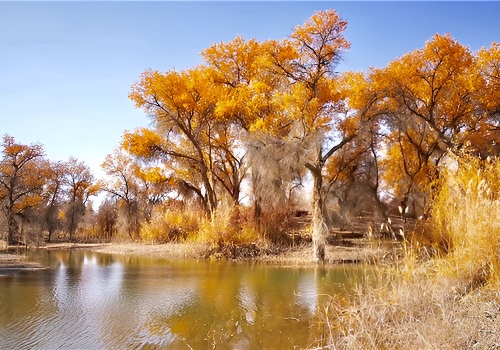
(277, 224)
(229, 226)
(229, 233)
(451, 301)
(168, 224)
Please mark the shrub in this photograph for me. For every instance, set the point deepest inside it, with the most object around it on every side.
(229, 226)
(167, 225)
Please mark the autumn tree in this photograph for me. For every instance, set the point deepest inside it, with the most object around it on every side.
(107, 219)
(79, 184)
(154, 187)
(410, 166)
(353, 178)
(54, 192)
(486, 139)
(248, 100)
(433, 95)
(288, 90)
(22, 177)
(199, 150)
(330, 111)
(122, 184)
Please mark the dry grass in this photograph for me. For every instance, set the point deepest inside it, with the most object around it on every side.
(168, 225)
(423, 313)
(451, 301)
(227, 227)
(226, 234)
(466, 219)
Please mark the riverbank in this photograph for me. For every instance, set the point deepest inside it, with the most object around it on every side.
(301, 254)
(347, 252)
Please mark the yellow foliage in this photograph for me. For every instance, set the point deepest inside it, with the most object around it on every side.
(435, 85)
(154, 175)
(141, 142)
(406, 167)
(323, 31)
(61, 215)
(23, 173)
(488, 63)
(352, 86)
(27, 202)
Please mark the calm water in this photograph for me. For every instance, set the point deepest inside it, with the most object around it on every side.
(97, 301)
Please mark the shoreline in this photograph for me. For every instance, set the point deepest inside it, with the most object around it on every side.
(300, 255)
(12, 263)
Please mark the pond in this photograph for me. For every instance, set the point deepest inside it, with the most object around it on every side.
(87, 300)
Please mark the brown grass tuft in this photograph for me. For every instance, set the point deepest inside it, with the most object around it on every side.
(170, 225)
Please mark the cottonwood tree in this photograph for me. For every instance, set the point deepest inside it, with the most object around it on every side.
(54, 192)
(284, 88)
(22, 177)
(353, 178)
(330, 111)
(199, 150)
(80, 184)
(433, 96)
(155, 186)
(487, 138)
(288, 89)
(107, 219)
(249, 87)
(123, 184)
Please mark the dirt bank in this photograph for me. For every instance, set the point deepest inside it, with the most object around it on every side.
(302, 254)
(346, 251)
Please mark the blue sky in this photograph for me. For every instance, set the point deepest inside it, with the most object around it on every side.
(66, 67)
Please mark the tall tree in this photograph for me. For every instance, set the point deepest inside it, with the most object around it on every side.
(487, 138)
(353, 177)
(124, 185)
(288, 90)
(285, 89)
(54, 196)
(22, 177)
(80, 185)
(106, 219)
(154, 186)
(330, 112)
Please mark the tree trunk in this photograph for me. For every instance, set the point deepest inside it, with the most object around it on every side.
(257, 205)
(235, 218)
(72, 222)
(129, 220)
(319, 227)
(12, 228)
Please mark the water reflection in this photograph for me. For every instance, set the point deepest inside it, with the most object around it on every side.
(97, 301)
